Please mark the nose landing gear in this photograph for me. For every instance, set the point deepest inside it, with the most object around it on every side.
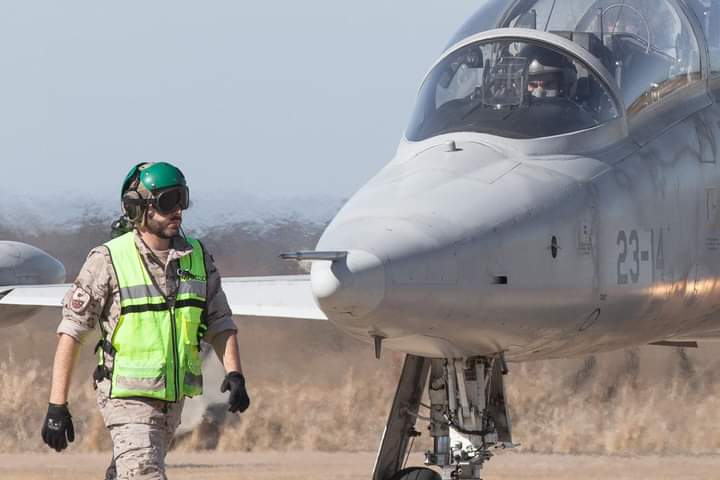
(468, 418)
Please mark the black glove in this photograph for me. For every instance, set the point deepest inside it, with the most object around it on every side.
(58, 424)
(238, 400)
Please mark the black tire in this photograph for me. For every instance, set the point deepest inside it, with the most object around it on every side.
(416, 473)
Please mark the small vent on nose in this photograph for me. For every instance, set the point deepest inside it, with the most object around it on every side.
(502, 280)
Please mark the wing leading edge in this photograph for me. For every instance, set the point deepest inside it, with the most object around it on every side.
(33, 295)
(285, 296)
(18, 304)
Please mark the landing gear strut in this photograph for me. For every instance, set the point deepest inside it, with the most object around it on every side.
(468, 418)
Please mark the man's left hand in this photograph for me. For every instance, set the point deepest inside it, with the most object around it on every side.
(57, 429)
(239, 400)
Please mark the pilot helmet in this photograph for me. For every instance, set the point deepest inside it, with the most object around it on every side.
(160, 184)
(550, 74)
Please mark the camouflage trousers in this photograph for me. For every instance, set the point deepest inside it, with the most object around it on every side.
(142, 430)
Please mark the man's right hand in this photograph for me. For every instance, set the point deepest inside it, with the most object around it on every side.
(58, 428)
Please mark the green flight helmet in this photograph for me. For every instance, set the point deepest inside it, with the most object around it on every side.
(159, 184)
(162, 175)
(154, 177)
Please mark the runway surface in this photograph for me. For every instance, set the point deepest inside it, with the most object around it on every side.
(357, 466)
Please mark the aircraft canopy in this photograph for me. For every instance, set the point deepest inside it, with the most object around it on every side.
(648, 46)
(511, 88)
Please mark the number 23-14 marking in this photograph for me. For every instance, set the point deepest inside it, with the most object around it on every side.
(639, 254)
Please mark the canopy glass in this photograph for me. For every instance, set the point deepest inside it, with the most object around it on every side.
(647, 46)
(510, 88)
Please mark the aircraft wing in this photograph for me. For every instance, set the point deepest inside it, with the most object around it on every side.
(285, 296)
(33, 295)
(18, 304)
(288, 296)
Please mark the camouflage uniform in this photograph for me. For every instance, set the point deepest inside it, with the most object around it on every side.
(141, 428)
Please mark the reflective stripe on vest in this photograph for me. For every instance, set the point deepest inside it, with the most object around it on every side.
(156, 346)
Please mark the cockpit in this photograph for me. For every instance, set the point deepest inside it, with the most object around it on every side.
(627, 55)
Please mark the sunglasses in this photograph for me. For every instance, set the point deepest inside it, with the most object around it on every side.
(168, 200)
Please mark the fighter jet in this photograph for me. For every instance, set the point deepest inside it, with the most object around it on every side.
(556, 194)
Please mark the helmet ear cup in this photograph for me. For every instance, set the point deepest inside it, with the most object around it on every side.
(132, 204)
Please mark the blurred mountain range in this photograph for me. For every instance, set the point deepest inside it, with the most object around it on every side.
(69, 210)
(245, 233)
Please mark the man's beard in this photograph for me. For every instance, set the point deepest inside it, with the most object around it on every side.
(162, 228)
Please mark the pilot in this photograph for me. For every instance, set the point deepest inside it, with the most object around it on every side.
(550, 74)
(155, 294)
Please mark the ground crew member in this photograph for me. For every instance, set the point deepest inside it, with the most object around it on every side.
(155, 294)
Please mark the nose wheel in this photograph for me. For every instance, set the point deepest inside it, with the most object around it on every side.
(416, 473)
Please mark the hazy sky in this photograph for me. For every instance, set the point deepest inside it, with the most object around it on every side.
(290, 97)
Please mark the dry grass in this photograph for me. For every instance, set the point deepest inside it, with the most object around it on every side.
(306, 417)
(300, 416)
(600, 408)
(24, 402)
(634, 402)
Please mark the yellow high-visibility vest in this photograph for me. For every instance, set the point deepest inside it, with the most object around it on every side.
(155, 344)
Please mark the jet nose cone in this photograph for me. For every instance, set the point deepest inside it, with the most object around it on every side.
(350, 288)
